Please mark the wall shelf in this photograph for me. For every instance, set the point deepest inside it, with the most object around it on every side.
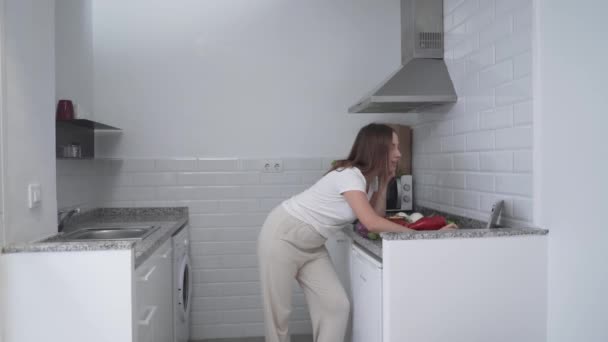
(82, 132)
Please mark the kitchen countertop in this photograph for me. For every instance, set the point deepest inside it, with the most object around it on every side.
(470, 228)
(169, 220)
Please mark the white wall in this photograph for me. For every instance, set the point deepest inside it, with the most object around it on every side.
(572, 74)
(30, 109)
(239, 78)
(74, 52)
(480, 150)
(2, 135)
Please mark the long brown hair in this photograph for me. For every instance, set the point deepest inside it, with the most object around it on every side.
(370, 150)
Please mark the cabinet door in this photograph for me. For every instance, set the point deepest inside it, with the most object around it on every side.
(154, 307)
(366, 285)
(164, 297)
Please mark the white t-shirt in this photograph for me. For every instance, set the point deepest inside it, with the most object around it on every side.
(323, 206)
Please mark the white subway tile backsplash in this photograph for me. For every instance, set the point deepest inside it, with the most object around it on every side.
(280, 178)
(189, 164)
(493, 112)
(450, 5)
(512, 46)
(481, 59)
(468, 123)
(496, 161)
(522, 65)
(207, 164)
(522, 20)
(216, 178)
(466, 161)
(497, 118)
(225, 234)
(505, 6)
(302, 164)
(483, 99)
(480, 20)
(200, 207)
(479, 141)
(451, 180)
(441, 162)
(466, 46)
(465, 199)
(523, 209)
(152, 179)
(516, 137)
(480, 182)
(495, 75)
(227, 220)
(514, 184)
(516, 91)
(465, 10)
(446, 197)
(522, 113)
(238, 206)
(523, 161)
(138, 165)
(224, 261)
(500, 28)
(453, 144)
(442, 129)
(133, 194)
(223, 248)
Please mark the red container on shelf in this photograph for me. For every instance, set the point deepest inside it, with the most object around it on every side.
(65, 110)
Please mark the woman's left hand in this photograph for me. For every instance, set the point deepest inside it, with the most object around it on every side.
(389, 175)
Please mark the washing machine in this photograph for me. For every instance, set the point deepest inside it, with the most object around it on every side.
(182, 285)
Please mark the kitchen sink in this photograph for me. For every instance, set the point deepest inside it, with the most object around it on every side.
(111, 233)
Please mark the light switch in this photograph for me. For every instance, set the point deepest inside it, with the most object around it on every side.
(34, 195)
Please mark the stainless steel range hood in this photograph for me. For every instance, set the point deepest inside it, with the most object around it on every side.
(423, 80)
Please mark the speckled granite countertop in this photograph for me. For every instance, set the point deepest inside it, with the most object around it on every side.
(169, 220)
(470, 228)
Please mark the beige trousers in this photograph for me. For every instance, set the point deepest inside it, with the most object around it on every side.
(289, 248)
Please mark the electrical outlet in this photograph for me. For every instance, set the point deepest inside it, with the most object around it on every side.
(272, 165)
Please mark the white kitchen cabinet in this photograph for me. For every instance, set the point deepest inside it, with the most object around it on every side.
(464, 289)
(154, 309)
(93, 296)
(366, 287)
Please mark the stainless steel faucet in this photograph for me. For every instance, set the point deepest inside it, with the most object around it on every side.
(62, 220)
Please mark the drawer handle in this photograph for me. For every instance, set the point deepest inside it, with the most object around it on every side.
(151, 312)
(166, 254)
(362, 277)
(148, 274)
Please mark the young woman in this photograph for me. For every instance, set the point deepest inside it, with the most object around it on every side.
(291, 243)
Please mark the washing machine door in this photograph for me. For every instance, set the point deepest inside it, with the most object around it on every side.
(184, 289)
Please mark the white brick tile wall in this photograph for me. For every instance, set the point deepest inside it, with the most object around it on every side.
(480, 182)
(468, 123)
(493, 113)
(479, 141)
(497, 118)
(523, 161)
(522, 113)
(496, 161)
(516, 137)
(522, 65)
(513, 46)
(497, 74)
(517, 91)
(466, 161)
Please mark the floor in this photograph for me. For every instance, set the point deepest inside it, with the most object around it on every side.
(295, 338)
